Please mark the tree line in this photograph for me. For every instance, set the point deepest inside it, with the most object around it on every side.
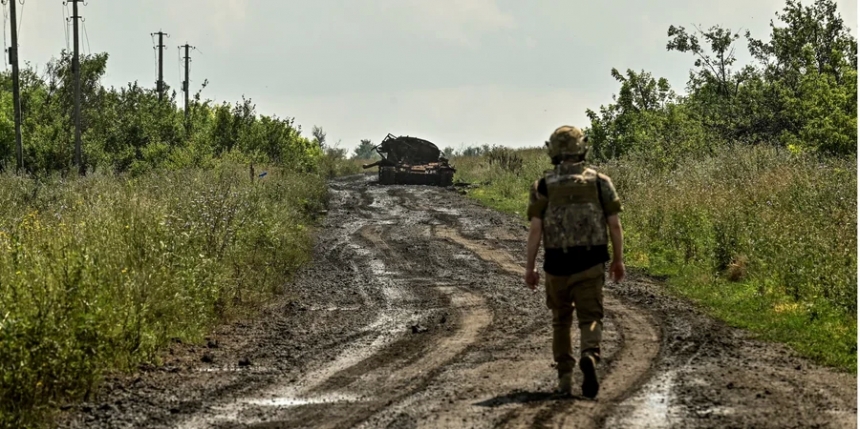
(128, 129)
(800, 93)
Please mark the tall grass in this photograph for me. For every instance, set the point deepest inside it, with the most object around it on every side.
(98, 273)
(335, 165)
(763, 238)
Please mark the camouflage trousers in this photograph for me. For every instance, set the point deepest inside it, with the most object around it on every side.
(582, 292)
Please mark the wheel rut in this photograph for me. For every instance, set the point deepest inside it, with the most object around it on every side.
(414, 315)
(623, 369)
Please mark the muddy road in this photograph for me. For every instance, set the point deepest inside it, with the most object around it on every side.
(414, 315)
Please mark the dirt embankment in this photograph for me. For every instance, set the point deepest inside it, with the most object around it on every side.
(414, 315)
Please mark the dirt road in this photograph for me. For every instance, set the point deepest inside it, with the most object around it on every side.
(414, 315)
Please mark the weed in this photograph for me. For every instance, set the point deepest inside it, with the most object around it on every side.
(779, 226)
(98, 273)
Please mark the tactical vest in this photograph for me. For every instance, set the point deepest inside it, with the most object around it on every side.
(574, 215)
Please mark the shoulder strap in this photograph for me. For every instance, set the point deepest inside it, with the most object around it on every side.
(599, 189)
(600, 193)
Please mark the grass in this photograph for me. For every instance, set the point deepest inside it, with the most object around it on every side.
(336, 166)
(98, 273)
(761, 238)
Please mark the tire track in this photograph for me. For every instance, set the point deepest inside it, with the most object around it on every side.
(622, 373)
(388, 365)
(413, 315)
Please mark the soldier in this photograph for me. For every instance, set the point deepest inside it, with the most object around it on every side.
(573, 209)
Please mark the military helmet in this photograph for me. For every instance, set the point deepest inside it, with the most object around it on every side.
(567, 140)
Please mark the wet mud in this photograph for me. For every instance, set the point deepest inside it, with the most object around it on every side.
(413, 314)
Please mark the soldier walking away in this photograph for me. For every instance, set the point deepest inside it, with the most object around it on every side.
(574, 210)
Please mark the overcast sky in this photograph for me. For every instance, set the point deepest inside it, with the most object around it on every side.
(456, 72)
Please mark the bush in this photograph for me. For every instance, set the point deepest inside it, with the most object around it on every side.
(99, 273)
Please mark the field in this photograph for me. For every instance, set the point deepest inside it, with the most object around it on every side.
(762, 238)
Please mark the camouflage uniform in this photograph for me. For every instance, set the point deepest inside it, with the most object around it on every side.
(573, 203)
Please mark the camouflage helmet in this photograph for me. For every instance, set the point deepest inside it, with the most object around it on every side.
(567, 140)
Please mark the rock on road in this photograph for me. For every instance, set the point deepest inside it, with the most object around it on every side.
(413, 314)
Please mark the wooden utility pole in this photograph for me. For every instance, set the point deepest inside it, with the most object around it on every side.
(186, 86)
(16, 90)
(76, 68)
(160, 48)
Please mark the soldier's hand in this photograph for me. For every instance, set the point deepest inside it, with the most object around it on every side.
(616, 271)
(532, 278)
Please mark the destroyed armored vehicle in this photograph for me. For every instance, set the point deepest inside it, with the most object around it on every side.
(411, 161)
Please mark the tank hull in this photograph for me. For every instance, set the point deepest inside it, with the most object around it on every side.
(412, 161)
(416, 175)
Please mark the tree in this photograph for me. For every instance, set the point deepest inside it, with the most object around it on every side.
(714, 85)
(715, 68)
(319, 136)
(809, 71)
(365, 150)
(629, 122)
(803, 93)
(814, 38)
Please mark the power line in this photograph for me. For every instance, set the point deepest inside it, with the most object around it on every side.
(87, 36)
(179, 63)
(66, 24)
(21, 19)
(5, 43)
(154, 58)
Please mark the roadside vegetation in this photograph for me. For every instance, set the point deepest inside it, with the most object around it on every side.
(743, 192)
(175, 227)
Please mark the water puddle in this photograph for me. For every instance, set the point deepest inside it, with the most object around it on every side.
(287, 401)
(464, 256)
(651, 408)
(390, 325)
(447, 211)
(655, 405)
(252, 369)
(334, 308)
(378, 268)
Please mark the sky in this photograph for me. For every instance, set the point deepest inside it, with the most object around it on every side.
(455, 72)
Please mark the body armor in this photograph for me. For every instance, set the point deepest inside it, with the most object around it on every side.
(574, 215)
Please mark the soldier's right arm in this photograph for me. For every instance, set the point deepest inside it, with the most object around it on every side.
(537, 202)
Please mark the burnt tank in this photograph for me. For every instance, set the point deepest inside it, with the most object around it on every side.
(411, 161)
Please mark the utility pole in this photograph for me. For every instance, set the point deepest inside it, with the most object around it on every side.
(186, 85)
(160, 48)
(16, 90)
(76, 68)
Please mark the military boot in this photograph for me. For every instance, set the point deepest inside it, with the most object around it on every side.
(588, 365)
(565, 383)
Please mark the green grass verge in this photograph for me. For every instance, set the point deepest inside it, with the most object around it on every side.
(761, 238)
(99, 273)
